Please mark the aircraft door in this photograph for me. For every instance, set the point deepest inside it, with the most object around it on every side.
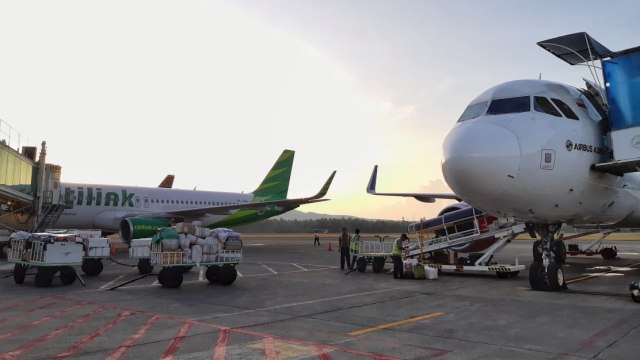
(548, 159)
(136, 201)
(146, 202)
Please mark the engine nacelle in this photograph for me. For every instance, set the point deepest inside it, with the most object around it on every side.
(453, 207)
(140, 227)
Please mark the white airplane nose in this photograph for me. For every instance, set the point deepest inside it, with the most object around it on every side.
(480, 161)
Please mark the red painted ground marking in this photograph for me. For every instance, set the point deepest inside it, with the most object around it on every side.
(133, 339)
(270, 348)
(322, 354)
(106, 327)
(23, 313)
(221, 345)
(37, 322)
(54, 333)
(177, 341)
(324, 346)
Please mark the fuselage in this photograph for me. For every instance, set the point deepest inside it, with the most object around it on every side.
(525, 149)
(103, 206)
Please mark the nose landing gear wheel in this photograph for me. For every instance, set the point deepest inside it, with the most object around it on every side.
(555, 276)
(537, 277)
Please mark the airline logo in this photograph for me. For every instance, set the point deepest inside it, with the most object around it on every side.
(95, 197)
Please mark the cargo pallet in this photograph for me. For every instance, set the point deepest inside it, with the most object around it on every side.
(221, 271)
(47, 258)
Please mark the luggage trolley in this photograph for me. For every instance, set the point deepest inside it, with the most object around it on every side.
(48, 253)
(178, 255)
(95, 248)
(374, 253)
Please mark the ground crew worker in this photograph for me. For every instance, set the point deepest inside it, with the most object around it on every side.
(355, 244)
(316, 238)
(396, 255)
(343, 242)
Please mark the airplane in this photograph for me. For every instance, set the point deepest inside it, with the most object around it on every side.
(549, 154)
(137, 212)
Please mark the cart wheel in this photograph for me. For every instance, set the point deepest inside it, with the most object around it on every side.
(228, 274)
(170, 277)
(608, 253)
(44, 276)
(502, 274)
(361, 264)
(144, 266)
(213, 274)
(18, 273)
(67, 275)
(92, 267)
(378, 264)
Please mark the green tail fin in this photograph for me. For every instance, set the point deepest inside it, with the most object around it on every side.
(276, 184)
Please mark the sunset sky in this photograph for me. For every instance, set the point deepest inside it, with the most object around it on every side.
(125, 92)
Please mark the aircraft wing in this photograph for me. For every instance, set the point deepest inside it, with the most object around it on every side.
(260, 205)
(424, 197)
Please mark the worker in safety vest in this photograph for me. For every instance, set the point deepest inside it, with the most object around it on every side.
(355, 245)
(396, 255)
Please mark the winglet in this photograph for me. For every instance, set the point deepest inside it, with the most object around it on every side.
(325, 188)
(371, 188)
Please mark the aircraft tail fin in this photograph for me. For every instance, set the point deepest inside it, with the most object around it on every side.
(167, 183)
(275, 185)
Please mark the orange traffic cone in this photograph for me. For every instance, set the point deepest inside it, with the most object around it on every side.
(329, 248)
(113, 249)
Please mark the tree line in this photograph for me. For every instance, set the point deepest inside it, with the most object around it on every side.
(329, 225)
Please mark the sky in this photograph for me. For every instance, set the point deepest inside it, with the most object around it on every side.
(125, 92)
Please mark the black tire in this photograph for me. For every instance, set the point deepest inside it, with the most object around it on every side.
(228, 274)
(170, 277)
(44, 277)
(537, 251)
(502, 274)
(555, 275)
(608, 253)
(67, 275)
(537, 277)
(378, 264)
(19, 272)
(92, 267)
(213, 274)
(559, 251)
(361, 264)
(144, 266)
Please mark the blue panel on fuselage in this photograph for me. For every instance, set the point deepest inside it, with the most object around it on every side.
(622, 74)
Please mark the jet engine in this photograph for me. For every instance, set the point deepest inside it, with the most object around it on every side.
(140, 227)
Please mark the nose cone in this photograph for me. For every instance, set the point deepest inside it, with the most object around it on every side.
(480, 162)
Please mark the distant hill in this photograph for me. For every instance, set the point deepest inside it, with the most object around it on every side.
(300, 215)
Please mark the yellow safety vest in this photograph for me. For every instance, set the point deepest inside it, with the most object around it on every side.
(397, 251)
(354, 243)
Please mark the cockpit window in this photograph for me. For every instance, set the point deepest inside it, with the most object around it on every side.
(566, 110)
(542, 104)
(509, 106)
(473, 111)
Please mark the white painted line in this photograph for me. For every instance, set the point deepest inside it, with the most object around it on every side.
(111, 282)
(155, 283)
(306, 302)
(268, 268)
(299, 267)
(239, 273)
(201, 275)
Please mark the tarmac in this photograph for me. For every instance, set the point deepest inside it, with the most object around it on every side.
(292, 301)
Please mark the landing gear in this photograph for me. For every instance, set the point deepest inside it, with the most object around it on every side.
(546, 273)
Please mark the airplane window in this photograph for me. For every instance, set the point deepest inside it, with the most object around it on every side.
(542, 104)
(473, 111)
(509, 106)
(566, 110)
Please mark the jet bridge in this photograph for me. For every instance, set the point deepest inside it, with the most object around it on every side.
(620, 94)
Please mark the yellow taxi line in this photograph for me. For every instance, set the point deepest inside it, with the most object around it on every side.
(395, 323)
